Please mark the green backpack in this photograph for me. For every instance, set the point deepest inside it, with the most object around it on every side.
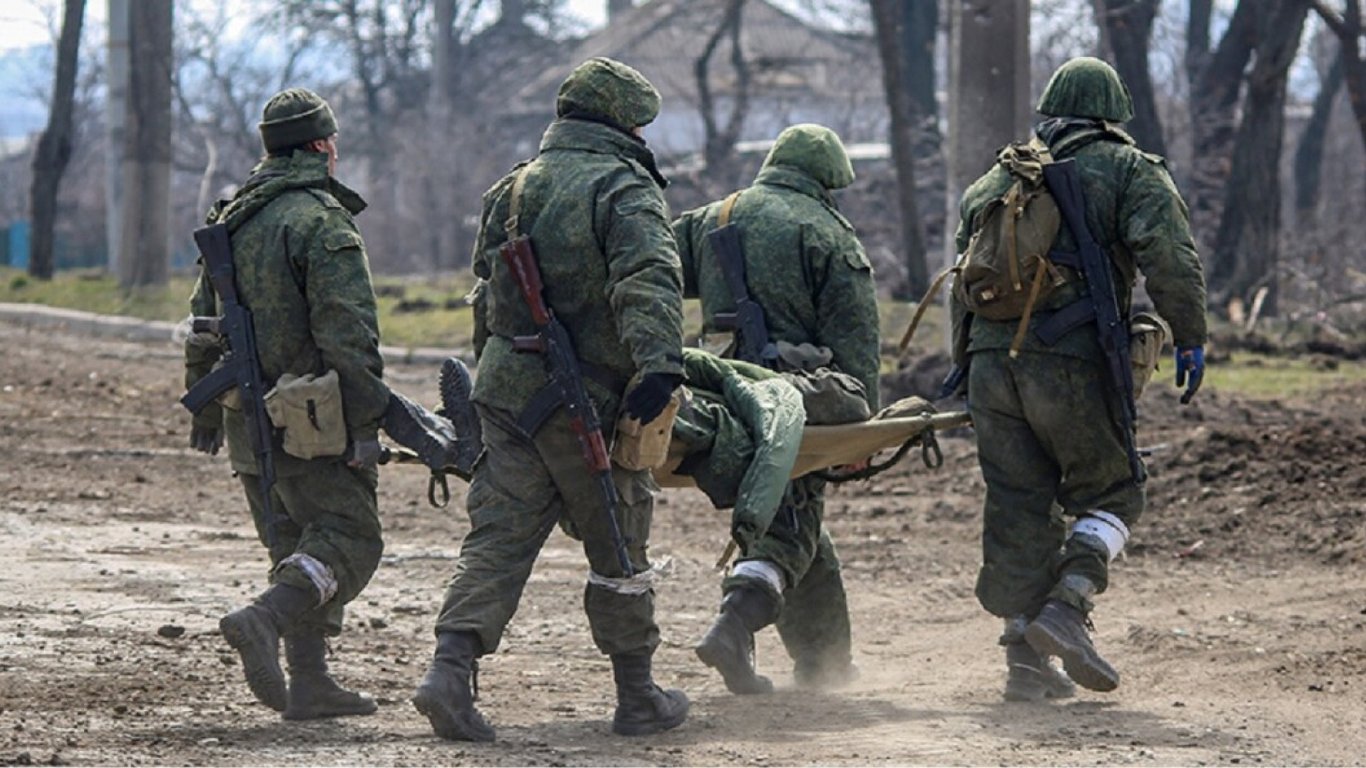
(1002, 273)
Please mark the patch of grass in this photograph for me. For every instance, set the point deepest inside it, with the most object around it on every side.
(96, 291)
(1263, 376)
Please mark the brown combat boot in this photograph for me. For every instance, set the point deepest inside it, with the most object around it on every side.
(313, 694)
(447, 692)
(642, 706)
(254, 632)
(1060, 630)
(728, 647)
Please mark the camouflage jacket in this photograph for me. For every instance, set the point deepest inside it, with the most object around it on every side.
(302, 271)
(593, 205)
(804, 266)
(1136, 214)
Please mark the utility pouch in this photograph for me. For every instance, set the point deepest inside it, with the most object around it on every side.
(308, 409)
(1147, 335)
(646, 446)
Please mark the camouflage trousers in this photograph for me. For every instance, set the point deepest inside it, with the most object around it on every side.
(329, 512)
(521, 490)
(1049, 447)
(814, 619)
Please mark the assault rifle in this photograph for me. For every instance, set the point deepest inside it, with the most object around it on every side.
(552, 342)
(753, 343)
(1111, 327)
(240, 366)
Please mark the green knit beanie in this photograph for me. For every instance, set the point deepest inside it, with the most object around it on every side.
(1087, 87)
(293, 117)
(605, 89)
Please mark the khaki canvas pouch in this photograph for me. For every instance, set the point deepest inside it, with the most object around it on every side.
(646, 446)
(1147, 335)
(308, 409)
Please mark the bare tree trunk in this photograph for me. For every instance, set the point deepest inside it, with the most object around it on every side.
(439, 114)
(1213, 104)
(721, 140)
(54, 148)
(144, 253)
(116, 119)
(1309, 152)
(1349, 27)
(1246, 249)
(1129, 24)
(887, 24)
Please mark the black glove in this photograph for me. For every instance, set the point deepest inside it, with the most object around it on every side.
(364, 454)
(647, 400)
(206, 439)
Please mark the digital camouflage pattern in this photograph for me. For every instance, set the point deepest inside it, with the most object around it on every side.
(604, 89)
(314, 310)
(817, 289)
(1049, 443)
(1087, 87)
(333, 517)
(302, 271)
(594, 208)
(817, 285)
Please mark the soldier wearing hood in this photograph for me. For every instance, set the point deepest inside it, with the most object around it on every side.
(302, 271)
(592, 203)
(808, 271)
(1048, 434)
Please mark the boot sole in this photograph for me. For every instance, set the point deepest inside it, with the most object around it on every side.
(264, 676)
(310, 713)
(1082, 663)
(742, 681)
(653, 726)
(447, 724)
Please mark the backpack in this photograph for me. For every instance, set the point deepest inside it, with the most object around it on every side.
(1001, 274)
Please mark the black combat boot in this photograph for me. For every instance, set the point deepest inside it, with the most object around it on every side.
(1031, 677)
(313, 693)
(254, 632)
(447, 692)
(643, 707)
(1060, 630)
(728, 646)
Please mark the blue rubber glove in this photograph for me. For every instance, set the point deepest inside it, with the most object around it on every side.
(1190, 360)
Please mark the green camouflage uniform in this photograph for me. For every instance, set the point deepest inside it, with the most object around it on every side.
(816, 288)
(594, 208)
(1049, 440)
(302, 271)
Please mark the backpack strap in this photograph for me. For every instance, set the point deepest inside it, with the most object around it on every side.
(924, 304)
(727, 206)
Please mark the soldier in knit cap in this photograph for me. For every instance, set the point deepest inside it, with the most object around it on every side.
(302, 271)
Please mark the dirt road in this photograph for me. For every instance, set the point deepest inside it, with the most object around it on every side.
(1236, 618)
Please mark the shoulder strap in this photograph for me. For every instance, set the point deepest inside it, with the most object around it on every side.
(513, 223)
(727, 206)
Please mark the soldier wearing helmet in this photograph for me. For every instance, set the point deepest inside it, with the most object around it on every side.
(1050, 443)
(592, 204)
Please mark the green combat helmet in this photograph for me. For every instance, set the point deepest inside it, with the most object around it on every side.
(293, 117)
(1087, 87)
(605, 89)
(816, 151)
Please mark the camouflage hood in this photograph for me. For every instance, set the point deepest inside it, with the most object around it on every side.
(607, 90)
(814, 150)
(1087, 87)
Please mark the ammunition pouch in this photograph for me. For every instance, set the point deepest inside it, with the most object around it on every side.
(1147, 335)
(646, 446)
(308, 410)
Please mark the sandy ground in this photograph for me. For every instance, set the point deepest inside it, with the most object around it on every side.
(1236, 618)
